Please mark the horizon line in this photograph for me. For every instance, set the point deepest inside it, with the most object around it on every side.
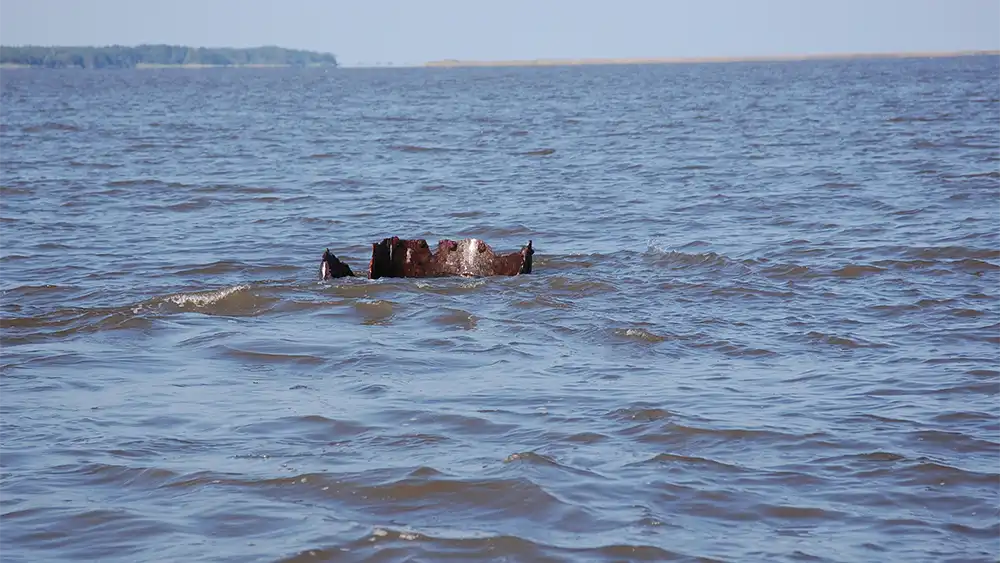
(712, 59)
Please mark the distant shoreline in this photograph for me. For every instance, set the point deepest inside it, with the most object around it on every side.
(449, 63)
(158, 56)
(153, 66)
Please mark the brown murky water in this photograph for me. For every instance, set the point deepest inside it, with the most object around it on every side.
(763, 323)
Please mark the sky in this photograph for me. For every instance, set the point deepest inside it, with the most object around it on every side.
(365, 32)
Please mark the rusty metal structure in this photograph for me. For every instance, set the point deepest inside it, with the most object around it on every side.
(332, 267)
(412, 258)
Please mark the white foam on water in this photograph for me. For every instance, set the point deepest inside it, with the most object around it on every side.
(203, 299)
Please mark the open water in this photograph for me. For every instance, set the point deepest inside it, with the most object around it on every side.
(763, 323)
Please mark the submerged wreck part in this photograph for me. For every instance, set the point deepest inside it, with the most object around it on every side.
(412, 258)
(332, 267)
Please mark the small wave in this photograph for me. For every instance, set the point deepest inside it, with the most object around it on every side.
(272, 357)
(377, 312)
(968, 145)
(119, 475)
(686, 260)
(95, 165)
(992, 174)
(957, 418)
(580, 287)
(58, 319)
(674, 433)
(402, 118)
(531, 457)
(484, 493)
(587, 437)
(879, 457)
(973, 265)
(951, 252)
(638, 335)
(545, 302)
(417, 440)
(914, 119)
(453, 286)
(9, 191)
(374, 389)
(324, 155)
(444, 544)
(457, 318)
(219, 267)
(539, 152)
(52, 246)
(749, 292)
(926, 472)
(673, 259)
(788, 272)
(843, 341)
(905, 264)
(857, 271)
(467, 214)
(487, 231)
(193, 205)
(733, 349)
(789, 512)
(641, 413)
(30, 290)
(689, 461)
(140, 147)
(967, 313)
(53, 126)
(365, 289)
(417, 148)
(205, 299)
(313, 428)
(237, 300)
(65, 322)
(232, 188)
(696, 244)
(137, 182)
(956, 441)
(324, 221)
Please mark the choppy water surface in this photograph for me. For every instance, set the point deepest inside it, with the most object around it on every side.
(763, 323)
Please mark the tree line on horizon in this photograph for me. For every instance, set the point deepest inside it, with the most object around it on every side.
(117, 56)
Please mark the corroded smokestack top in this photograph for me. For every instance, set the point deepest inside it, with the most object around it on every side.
(412, 258)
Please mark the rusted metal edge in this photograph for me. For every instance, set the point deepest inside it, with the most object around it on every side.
(412, 258)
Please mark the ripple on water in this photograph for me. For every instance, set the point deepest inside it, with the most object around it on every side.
(239, 300)
(725, 337)
(375, 312)
(457, 318)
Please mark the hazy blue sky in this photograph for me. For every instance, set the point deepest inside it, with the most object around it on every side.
(404, 31)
